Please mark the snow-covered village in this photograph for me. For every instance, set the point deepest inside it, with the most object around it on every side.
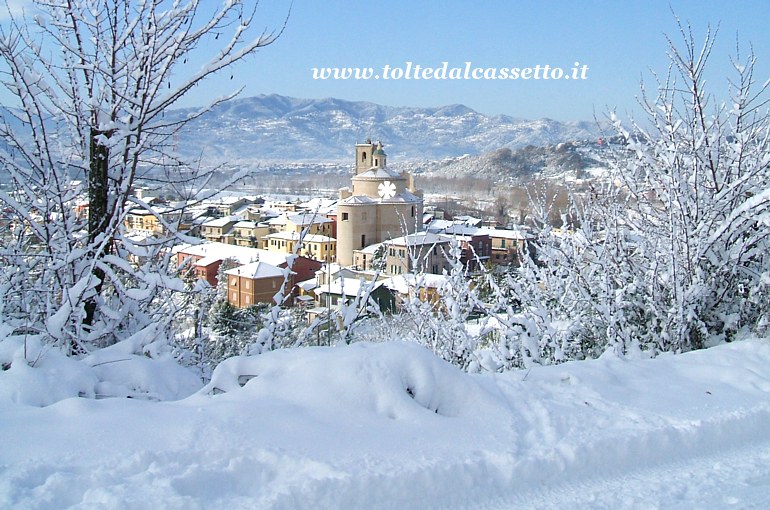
(268, 255)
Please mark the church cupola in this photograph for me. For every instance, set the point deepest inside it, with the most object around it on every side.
(379, 157)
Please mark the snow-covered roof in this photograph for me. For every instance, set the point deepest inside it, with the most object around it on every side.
(307, 238)
(351, 286)
(371, 249)
(222, 251)
(225, 200)
(320, 205)
(207, 261)
(405, 196)
(153, 209)
(358, 199)
(468, 220)
(245, 224)
(308, 285)
(403, 283)
(245, 209)
(419, 239)
(378, 173)
(308, 219)
(256, 270)
(223, 221)
(277, 221)
(500, 233)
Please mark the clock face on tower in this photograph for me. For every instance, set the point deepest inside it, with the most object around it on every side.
(386, 190)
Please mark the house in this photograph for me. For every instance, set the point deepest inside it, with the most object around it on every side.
(220, 230)
(227, 205)
(249, 233)
(333, 281)
(421, 252)
(254, 283)
(148, 220)
(507, 245)
(314, 246)
(368, 258)
(475, 243)
(311, 223)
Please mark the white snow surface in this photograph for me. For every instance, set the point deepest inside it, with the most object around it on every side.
(390, 426)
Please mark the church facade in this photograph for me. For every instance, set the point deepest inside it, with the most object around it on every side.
(380, 204)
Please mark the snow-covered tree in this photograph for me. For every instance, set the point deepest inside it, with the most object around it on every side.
(672, 253)
(699, 182)
(94, 81)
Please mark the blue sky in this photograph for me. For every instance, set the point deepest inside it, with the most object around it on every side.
(618, 41)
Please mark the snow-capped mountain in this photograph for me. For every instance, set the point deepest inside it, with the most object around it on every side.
(279, 128)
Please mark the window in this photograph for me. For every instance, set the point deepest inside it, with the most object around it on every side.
(363, 240)
(363, 156)
(234, 281)
(363, 216)
(412, 211)
(502, 243)
(344, 216)
(235, 297)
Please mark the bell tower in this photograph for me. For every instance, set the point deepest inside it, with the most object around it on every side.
(364, 156)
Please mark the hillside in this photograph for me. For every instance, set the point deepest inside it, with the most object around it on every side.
(577, 159)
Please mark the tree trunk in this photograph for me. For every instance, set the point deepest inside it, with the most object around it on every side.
(98, 215)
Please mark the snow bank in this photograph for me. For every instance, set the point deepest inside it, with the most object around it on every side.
(391, 426)
(40, 375)
(393, 380)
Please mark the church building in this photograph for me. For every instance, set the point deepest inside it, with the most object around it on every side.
(381, 204)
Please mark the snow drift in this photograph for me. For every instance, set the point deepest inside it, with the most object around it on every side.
(391, 426)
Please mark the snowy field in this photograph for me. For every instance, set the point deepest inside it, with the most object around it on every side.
(385, 426)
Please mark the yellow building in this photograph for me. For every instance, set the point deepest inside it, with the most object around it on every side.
(314, 246)
(249, 233)
(146, 221)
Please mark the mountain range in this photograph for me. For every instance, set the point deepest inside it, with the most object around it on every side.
(275, 129)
